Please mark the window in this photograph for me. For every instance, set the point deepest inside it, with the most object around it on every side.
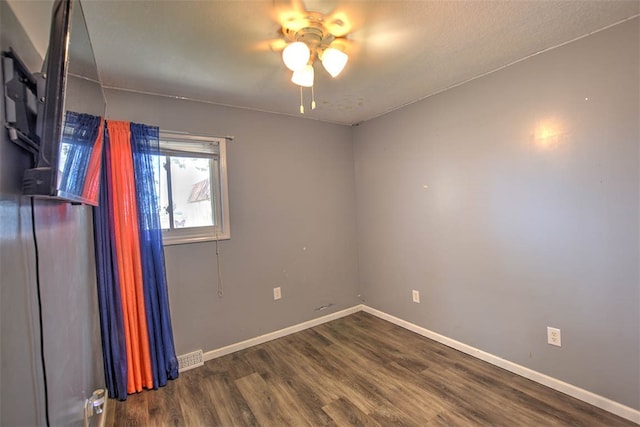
(191, 180)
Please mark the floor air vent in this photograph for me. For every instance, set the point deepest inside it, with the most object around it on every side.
(190, 360)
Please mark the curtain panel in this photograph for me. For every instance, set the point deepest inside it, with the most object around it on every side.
(137, 336)
(80, 151)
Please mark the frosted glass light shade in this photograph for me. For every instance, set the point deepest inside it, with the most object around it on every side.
(296, 55)
(303, 77)
(334, 61)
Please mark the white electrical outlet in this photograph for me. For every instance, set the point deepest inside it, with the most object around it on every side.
(554, 337)
(416, 296)
(277, 293)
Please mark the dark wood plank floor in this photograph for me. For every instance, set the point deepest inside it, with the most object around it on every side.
(358, 370)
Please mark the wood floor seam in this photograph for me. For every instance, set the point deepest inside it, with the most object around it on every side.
(358, 370)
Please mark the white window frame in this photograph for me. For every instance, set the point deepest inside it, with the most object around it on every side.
(188, 143)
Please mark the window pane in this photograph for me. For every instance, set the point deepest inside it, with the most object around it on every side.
(193, 188)
(215, 192)
(191, 191)
(160, 179)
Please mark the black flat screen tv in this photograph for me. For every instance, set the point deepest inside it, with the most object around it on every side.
(70, 122)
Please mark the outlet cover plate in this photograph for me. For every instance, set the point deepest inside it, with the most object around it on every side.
(416, 296)
(554, 337)
(277, 293)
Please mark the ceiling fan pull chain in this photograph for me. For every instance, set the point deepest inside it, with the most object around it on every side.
(313, 99)
(301, 104)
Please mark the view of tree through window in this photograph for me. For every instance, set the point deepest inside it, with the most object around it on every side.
(190, 176)
(190, 201)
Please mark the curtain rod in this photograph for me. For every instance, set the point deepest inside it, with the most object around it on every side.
(195, 135)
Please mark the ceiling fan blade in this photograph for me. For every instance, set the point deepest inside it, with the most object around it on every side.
(277, 45)
(338, 24)
(342, 21)
(298, 6)
(273, 45)
(289, 13)
(292, 16)
(289, 6)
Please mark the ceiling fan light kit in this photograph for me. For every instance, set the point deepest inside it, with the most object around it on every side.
(304, 76)
(296, 56)
(334, 60)
(309, 38)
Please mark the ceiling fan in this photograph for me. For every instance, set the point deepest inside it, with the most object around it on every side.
(310, 35)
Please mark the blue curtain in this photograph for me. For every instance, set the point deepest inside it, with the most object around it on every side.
(79, 135)
(144, 150)
(111, 320)
(145, 145)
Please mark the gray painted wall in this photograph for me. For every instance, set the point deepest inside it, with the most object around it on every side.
(516, 232)
(71, 329)
(292, 208)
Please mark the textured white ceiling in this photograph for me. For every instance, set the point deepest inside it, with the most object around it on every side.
(401, 51)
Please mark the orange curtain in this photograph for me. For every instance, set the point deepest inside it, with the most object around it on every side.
(92, 182)
(139, 374)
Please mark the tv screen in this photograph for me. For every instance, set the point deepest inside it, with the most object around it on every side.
(70, 126)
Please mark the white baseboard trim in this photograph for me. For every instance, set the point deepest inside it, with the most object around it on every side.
(280, 333)
(601, 402)
(571, 390)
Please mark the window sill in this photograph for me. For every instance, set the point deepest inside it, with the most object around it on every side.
(168, 240)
